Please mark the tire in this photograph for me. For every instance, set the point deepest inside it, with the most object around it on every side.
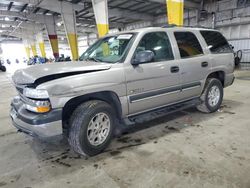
(3, 68)
(237, 61)
(207, 105)
(80, 133)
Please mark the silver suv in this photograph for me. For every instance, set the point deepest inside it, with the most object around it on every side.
(123, 78)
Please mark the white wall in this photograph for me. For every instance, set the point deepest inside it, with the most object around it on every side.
(13, 51)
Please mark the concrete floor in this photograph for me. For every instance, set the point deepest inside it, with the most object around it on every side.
(186, 149)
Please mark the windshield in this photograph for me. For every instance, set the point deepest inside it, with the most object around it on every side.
(109, 49)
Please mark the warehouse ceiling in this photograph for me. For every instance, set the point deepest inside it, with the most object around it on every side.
(121, 12)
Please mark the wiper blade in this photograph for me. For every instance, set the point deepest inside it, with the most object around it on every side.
(93, 59)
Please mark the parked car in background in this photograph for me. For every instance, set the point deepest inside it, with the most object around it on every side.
(2, 67)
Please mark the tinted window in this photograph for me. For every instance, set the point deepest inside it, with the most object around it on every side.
(216, 42)
(159, 44)
(188, 44)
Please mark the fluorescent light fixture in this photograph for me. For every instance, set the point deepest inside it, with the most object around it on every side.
(59, 24)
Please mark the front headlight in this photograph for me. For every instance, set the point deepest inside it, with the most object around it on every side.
(35, 93)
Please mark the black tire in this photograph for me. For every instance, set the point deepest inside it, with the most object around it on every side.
(79, 122)
(237, 61)
(3, 68)
(205, 106)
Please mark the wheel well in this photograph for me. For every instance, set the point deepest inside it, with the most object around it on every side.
(220, 75)
(108, 96)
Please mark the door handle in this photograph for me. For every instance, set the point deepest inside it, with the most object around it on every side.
(174, 69)
(204, 64)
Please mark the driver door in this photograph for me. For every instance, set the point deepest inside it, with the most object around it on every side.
(156, 83)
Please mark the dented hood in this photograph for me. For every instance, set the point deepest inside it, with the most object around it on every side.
(30, 74)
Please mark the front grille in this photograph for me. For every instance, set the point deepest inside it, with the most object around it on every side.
(26, 100)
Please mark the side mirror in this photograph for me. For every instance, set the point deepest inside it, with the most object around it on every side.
(143, 57)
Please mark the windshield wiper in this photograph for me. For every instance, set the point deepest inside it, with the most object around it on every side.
(93, 59)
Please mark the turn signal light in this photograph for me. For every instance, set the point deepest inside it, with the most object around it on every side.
(43, 109)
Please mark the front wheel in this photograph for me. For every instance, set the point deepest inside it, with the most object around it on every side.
(212, 96)
(91, 127)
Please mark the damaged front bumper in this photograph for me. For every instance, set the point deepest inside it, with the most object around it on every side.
(38, 125)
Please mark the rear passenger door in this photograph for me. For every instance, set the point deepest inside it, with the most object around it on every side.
(194, 63)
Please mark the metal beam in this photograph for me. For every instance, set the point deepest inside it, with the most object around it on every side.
(45, 12)
(123, 12)
(75, 1)
(22, 15)
(24, 7)
(187, 3)
(23, 25)
(36, 10)
(113, 24)
(52, 5)
(10, 5)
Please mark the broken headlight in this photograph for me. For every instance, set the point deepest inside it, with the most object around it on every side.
(36, 93)
(37, 100)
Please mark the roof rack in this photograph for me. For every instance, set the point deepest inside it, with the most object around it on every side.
(199, 26)
(169, 25)
(195, 26)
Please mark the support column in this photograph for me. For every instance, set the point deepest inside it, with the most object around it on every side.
(69, 21)
(51, 29)
(33, 47)
(175, 9)
(27, 48)
(101, 16)
(40, 41)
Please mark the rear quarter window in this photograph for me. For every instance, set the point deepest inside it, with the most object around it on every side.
(216, 42)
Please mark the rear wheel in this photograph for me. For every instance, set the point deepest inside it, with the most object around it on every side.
(91, 127)
(212, 96)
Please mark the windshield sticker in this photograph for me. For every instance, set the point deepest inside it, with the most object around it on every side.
(126, 36)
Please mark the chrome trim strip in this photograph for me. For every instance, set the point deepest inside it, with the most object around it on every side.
(162, 106)
(161, 92)
(191, 88)
(190, 85)
(154, 93)
(168, 93)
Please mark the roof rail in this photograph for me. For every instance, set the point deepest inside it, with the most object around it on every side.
(194, 26)
(199, 26)
(169, 25)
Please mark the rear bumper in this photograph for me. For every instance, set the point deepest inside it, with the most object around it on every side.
(37, 125)
(229, 79)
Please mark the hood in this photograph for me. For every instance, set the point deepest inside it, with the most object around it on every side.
(61, 69)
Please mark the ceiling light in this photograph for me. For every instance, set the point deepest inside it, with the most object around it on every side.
(59, 24)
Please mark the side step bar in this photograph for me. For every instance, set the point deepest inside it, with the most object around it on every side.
(148, 116)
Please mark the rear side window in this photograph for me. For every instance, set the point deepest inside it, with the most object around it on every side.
(159, 44)
(216, 42)
(188, 44)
